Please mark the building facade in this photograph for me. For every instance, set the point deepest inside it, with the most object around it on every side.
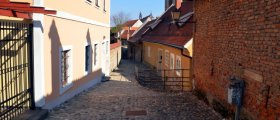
(239, 39)
(71, 49)
(129, 28)
(71, 55)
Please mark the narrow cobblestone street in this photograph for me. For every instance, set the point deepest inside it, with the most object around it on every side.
(122, 98)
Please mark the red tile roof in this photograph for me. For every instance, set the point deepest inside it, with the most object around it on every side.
(127, 34)
(170, 34)
(21, 9)
(138, 35)
(115, 45)
(130, 23)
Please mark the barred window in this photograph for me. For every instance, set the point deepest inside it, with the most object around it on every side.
(65, 64)
(95, 54)
(87, 58)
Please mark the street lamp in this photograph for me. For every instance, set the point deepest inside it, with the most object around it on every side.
(176, 15)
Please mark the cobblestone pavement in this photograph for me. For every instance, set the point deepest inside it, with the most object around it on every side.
(122, 98)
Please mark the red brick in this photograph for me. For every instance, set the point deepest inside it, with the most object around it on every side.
(239, 35)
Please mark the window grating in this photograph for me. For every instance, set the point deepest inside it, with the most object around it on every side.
(65, 67)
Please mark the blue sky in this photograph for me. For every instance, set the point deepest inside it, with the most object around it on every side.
(133, 7)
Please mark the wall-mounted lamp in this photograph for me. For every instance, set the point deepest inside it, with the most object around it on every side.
(176, 14)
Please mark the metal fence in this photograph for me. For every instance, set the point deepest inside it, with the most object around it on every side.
(15, 68)
(166, 79)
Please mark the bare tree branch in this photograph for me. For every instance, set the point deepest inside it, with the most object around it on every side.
(119, 18)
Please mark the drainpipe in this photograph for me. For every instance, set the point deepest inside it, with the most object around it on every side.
(193, 48)
(182, 52)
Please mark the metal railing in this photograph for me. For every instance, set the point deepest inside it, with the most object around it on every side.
(166, 79)
(15, 69)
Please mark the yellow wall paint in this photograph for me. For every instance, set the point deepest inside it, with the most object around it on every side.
(153, 60)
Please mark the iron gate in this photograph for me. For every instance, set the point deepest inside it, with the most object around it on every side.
(16, 93)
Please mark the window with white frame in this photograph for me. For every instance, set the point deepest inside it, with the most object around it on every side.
(65, 68)
(97, 3)
(95, 54)
(87, 58)
(149, 51)
(178, 65)
(166, 57)
(171, 61)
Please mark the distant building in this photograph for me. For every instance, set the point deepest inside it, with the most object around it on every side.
(129, 28)
(135, 50)
(128, 31)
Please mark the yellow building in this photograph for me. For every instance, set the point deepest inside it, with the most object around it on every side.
(168, 47)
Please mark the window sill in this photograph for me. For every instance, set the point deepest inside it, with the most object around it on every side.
(97, 6)
(64, 88)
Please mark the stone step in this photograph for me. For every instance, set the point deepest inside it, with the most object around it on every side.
(33, 115)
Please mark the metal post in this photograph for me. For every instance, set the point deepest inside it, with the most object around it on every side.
(182, 79)
(237, 112)
(164, 77)
(31, 68)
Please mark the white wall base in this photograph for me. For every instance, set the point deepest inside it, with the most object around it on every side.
(71, 94)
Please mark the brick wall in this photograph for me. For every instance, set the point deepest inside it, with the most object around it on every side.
(240, 38)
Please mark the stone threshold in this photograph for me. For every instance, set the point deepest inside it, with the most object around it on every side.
(39, 114)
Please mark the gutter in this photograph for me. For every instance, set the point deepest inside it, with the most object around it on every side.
(182, 52)
(175, 46)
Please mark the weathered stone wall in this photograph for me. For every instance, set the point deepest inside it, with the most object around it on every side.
(115, 55)
(239, 38)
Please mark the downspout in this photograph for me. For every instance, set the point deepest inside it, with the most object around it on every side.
(141, 52)
(193, 48)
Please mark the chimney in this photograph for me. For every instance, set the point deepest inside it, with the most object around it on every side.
(178, 3)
